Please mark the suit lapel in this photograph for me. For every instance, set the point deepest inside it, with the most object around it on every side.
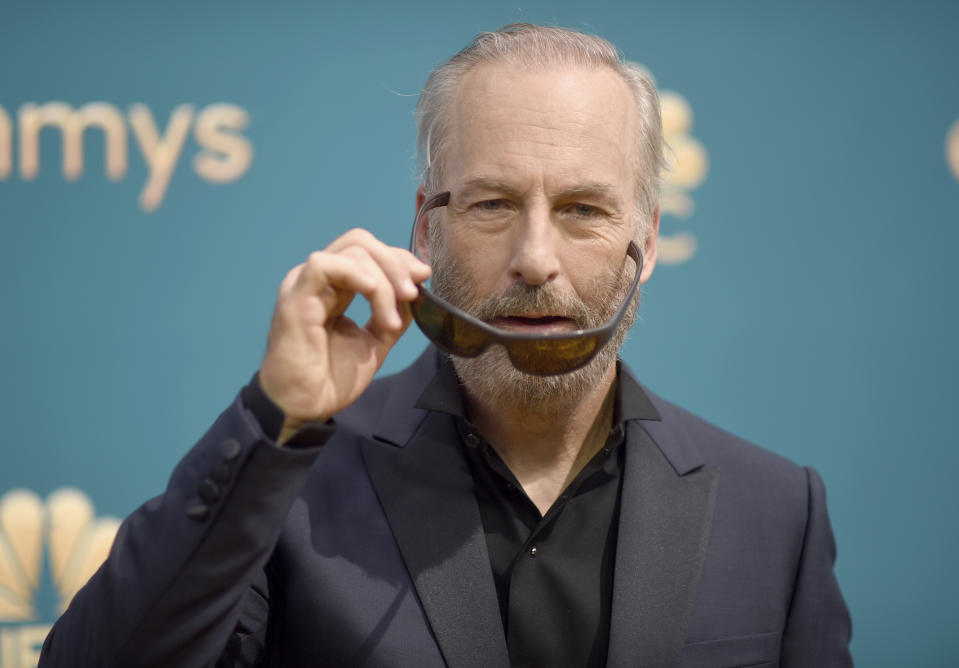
(426, 491)
(664, 526)
(424, 485)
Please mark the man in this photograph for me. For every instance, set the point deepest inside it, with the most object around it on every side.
(484, 510)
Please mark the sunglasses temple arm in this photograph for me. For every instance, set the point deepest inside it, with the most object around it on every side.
(437, 200)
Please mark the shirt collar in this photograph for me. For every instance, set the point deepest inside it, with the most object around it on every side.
(445, 395)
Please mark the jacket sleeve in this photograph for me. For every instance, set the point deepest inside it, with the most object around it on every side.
(818, 627)
(186, 564)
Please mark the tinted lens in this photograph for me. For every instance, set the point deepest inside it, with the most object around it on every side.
(545, 357)
(540, 357)
(446, 329)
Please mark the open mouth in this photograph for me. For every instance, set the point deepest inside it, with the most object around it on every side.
(547, 323)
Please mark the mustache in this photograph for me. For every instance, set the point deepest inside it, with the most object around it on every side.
(545, 299)
(453, 284)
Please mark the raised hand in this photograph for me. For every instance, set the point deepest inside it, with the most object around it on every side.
(318, 361)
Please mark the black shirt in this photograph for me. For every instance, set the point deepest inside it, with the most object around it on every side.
(554, 572)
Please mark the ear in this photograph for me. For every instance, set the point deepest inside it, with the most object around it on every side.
(421, 236)
(649, 248)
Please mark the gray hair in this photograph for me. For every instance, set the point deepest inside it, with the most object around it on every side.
(524, 44)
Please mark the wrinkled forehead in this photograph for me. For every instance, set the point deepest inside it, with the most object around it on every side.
(577, 120)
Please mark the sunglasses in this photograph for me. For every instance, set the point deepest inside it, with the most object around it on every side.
(458, 333)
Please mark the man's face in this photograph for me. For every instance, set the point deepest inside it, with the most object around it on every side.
(542, 179)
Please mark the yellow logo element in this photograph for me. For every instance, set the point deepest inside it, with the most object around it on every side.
(952, 149)
(689, 165)
(226, 155)
(77, 543)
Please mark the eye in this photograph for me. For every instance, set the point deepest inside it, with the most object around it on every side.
(583, 211)
(490, 209)
(489, 214)
(491, 205)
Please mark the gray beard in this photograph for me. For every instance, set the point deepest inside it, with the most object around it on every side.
(491, 377)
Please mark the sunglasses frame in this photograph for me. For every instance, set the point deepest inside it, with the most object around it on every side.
(507, 339)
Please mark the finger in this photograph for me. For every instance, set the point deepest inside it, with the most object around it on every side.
(383, 297)
(401, 268)
(350, 271)
(331, 280)
(323, 269)
(401, 273)
(418, 269)
(390, 261)
(387, 338)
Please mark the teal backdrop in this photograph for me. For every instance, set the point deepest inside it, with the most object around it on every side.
(810, 304)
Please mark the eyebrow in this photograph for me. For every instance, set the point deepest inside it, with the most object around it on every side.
(597, 189)
(602, 191)
(487, 183)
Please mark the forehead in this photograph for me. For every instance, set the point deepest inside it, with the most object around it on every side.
(554, 123)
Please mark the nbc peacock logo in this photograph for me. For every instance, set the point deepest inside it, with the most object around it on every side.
(687, 167)
(48, 550)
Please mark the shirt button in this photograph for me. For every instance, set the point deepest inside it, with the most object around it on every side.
(472, 440)
(532, 551)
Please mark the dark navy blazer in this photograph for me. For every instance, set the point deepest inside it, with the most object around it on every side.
(370, 551)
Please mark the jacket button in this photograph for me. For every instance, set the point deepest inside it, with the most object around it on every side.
(230, 448)
(208, 491)
(197, 511)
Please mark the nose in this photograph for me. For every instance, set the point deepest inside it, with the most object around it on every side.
(534, 258)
